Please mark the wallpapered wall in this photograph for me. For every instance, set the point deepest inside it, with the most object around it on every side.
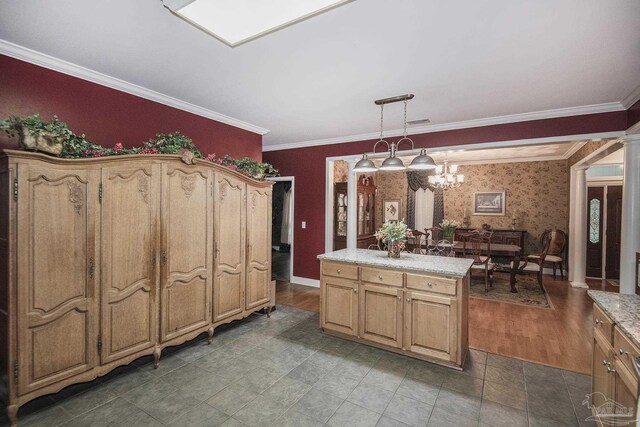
(340, 171)
(585, 150)
(538, 191)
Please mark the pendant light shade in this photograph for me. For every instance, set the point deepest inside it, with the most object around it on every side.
(392, 164)
(365, 165)
(422, 161)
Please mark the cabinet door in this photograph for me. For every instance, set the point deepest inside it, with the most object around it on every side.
(229, 254)
(625, 395)
(380, 314)
(130, 207)
(339, 305)
(57, 274)
(258, 246)
(601, 379)
(430, 325)
(187, 249)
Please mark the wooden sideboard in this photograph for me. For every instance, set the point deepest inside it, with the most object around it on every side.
(103, 261)
(506, 237)
(415, 312)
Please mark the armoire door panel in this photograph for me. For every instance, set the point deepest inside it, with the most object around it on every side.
(130, 208)
(187, 246)
(57, 274)
(259, 246)
(229, 256)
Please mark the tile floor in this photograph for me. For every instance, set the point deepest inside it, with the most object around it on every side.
(283, 371)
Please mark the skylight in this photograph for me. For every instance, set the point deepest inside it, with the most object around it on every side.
(238, 21)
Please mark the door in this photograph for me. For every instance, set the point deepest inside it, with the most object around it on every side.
(229, 246)
(601, 380)
(440, 313)
(258, 246)
(339, 305)
(625, 395)
(186, 254)
(380, 314)
(595, 209)
(130, 206)
(57, 273)
(614, 228)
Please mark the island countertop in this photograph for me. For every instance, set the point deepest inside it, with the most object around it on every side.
(444, 266)
(624, 310)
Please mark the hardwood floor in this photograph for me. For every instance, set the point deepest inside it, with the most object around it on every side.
(561, 337)
(304, 297)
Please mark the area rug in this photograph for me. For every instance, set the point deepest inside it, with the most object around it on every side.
(529, 292)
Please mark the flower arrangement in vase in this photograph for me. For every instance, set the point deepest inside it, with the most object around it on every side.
(449, 229)
(394, 234)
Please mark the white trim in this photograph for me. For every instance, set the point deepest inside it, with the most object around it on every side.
(328, 206)
(632, 98)
(305, 281)
(512, 118)
(291, 216)
(33, 57)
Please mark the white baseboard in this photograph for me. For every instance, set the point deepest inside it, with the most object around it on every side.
(305, 281)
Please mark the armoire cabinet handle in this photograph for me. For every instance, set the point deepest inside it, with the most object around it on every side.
(163, 257)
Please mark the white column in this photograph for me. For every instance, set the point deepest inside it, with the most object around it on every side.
(352, 220)
(630, 214)
(572, 213)
(580, 229)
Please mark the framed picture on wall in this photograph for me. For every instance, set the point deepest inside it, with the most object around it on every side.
(488, 203)
(391, 209)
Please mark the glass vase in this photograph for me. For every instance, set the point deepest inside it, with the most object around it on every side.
(449, 234)
(394, 250)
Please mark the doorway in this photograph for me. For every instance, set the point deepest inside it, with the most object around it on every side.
(282, 229)
(604, 225)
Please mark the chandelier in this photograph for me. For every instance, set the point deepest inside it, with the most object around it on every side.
(446, 176)
(392, 163)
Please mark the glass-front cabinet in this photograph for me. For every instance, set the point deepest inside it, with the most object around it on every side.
(365, 217)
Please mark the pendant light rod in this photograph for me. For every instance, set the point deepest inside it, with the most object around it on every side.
(399, 98)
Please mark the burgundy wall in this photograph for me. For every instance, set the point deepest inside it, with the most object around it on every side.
(107, 116)
(308, 165)
(633, 114)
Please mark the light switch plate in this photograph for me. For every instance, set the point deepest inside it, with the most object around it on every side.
(304, 224)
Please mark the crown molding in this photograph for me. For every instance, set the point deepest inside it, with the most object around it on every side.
(632, 98)
(34, 57)
(571, 151)
(490, 121)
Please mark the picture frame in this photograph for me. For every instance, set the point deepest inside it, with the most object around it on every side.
(489, 203)
(392, 209)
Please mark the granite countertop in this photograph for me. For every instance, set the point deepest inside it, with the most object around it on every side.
(444, 266)
(623, 309)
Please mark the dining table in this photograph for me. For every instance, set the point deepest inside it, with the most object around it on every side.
(498, 250)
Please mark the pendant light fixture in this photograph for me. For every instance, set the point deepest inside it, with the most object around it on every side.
(393, 163)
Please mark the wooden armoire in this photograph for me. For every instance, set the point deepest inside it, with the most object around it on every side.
(105, 260)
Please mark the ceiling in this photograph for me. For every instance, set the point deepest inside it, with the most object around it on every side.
(317, 79)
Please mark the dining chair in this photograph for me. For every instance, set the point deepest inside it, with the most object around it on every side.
(535, 265)
(477, 246)
(418, 243)
(557, 244)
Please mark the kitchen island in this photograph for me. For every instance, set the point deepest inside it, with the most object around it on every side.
(416, 305)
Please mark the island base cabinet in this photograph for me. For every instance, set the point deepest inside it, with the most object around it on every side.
(339, 306)
(625, 395)
(601, 380)
(381, 314)
(430, 325)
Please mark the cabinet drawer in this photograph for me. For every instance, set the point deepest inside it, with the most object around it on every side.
(602, 323)
(346, 271)
(380, 276)
(624, 349)
(431, 284)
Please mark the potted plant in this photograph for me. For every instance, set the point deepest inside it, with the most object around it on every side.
(394, 234)
(34, 134)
